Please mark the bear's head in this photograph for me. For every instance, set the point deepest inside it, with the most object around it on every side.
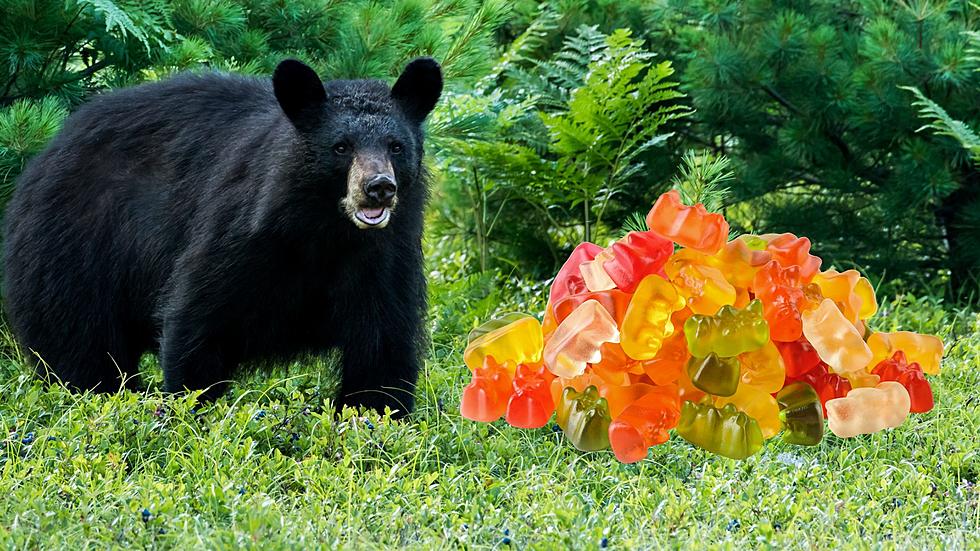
(364, 138)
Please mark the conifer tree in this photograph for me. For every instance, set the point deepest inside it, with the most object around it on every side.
(806, 100)
(54, 54)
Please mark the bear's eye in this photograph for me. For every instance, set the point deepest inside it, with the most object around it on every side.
(340, 149)
(396, 148)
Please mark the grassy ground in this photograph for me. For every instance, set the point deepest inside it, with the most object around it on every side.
(267, 467)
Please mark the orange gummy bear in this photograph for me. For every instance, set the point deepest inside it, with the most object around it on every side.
(781, 292)
(485, 398)
(644, 423)
(688, 226)
(789, 250)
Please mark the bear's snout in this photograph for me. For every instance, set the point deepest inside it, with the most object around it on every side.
(381, 189)
(372, 191)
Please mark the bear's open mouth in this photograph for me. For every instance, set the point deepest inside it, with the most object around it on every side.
(372, 217)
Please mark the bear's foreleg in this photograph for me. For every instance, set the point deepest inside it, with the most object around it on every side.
(380, 368)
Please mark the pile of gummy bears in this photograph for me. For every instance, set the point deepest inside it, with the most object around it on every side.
(726, 342)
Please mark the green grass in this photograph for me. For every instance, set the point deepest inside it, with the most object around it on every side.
(269, 467)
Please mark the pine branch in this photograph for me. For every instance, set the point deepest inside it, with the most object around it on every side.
(80, 75)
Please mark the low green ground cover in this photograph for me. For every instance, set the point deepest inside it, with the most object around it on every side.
(269, 466)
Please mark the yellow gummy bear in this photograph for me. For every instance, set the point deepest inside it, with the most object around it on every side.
(763, 368)
(852, 293)
(757, 404)
(519, 341)
(926, 350)
(704, 286)
(647, 321)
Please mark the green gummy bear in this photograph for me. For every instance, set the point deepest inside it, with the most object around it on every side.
(724, 431)
(714, 375)
(728, 333)
(801, 414)
(584, 417)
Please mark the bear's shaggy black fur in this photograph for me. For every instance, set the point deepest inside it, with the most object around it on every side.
(220, 219)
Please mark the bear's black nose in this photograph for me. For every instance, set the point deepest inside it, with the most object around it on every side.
(381, 188)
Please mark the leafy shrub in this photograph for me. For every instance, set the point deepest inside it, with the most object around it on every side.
(552, 149)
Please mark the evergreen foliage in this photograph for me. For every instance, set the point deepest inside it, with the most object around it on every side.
(54, 54)
(805, 98)
(817, 105)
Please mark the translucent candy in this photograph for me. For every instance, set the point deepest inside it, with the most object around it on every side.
(724, 431)
(852, 293)
(898, 369)
(868, 410)
(729, 332)
(485, 398)
(511, 340)
(578, 339)
(647, 322)
(704, 287)
(763, 368)
(835, 339)
(644, 423)
(636, 256)
(713, 374)
(925, 350)
(758, 405)
(689, 226)
(584, 418)
(531, 404)
(801, 415)
(789, 250)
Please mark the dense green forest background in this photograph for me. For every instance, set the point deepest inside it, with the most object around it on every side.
(845, 121)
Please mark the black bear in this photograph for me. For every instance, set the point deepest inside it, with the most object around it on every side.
(220, 219)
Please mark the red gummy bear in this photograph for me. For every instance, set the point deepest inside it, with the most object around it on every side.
(531, 405)
(645, 423)
(910, 375)
(690, 226)
(828, 385)
(485, 398)
(569, 279)
(789, 250)
(798, 356)
(636, 256)
(781, 292)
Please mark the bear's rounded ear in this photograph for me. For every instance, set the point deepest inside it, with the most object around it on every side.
(418, 88)
(297, 88)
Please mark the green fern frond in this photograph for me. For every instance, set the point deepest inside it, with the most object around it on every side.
(458, 60)
(943, 124)
(552, 81)
(524, 46)
(116, 19)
